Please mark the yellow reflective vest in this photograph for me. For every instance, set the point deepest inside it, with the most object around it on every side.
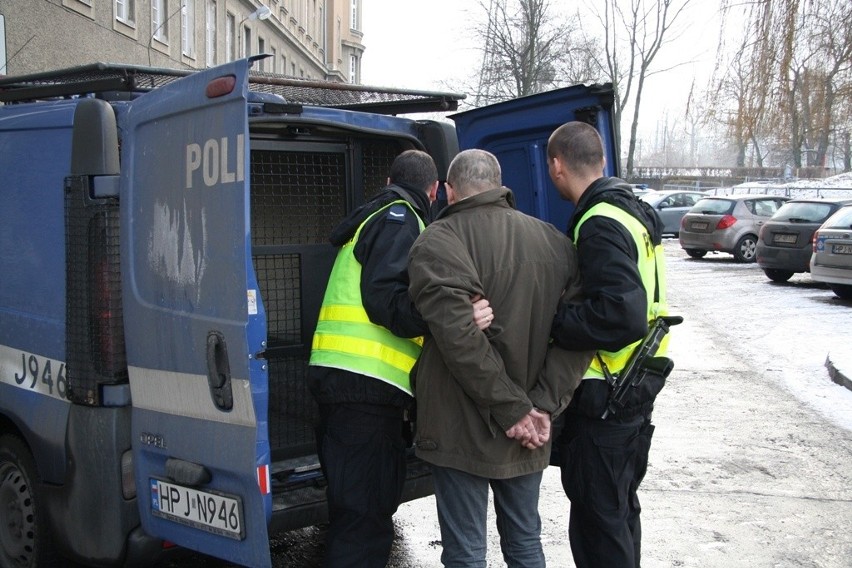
(345, 338)
(653, 276)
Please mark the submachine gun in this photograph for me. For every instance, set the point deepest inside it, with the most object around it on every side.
(641, 362)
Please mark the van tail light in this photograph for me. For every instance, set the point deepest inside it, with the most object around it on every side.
(725, 222)
(814, 241)
(128, 480)
(102, 318)
(107, 325)
(220, 86)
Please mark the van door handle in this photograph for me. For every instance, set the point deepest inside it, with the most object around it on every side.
(219, 371)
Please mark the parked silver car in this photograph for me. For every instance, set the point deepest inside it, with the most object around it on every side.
(785, 242)
(831, 261)
(728, 224)
(671, 206)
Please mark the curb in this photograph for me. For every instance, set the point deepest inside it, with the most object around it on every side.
(835, 374)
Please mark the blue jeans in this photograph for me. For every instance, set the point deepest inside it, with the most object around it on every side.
(462, 501)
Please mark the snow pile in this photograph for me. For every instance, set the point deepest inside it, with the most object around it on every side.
(839, 186)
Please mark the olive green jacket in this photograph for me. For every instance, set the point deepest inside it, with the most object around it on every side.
(471, 386)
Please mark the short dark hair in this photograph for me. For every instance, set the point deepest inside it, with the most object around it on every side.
(415, 169)
(578, 145)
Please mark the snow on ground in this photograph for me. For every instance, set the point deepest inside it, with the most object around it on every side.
(838, 186)
(787, 330)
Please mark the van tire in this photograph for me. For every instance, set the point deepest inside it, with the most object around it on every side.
(25, 541)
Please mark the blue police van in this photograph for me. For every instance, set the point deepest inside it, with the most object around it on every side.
(163, 255)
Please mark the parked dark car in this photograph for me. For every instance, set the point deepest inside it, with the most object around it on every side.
(785, 242)
(831, 261)
(727, 224)
(671, 206)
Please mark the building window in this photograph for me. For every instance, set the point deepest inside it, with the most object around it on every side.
(322, 33)
(231, 36)
(187, 27)
(353, 69)
(159, 21)
(125, 11)
(309, 16)
(210, 33)
(273, 61)
(261, 48)
(246, 41)
(355, 15)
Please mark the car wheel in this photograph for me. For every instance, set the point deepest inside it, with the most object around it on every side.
(778, 275)
(24, 539)
(843, 291)
(746, 249)
(696, 253)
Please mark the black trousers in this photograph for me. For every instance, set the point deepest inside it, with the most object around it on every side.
(603, 462)
(362, 453)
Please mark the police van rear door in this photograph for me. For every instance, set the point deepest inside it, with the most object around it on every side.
(516, 131)
(194, 318)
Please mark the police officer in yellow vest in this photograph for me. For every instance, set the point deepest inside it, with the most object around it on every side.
(618, 238)
(367, 339)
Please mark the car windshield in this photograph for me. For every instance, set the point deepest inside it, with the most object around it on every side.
(842, 219)
(803, 212)
(713, 206)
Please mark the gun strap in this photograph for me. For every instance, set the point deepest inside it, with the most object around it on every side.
(610, 380)
(656, 278)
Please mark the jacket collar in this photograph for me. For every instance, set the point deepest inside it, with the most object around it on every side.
(347, 227)
(499, 196)
(617, 192)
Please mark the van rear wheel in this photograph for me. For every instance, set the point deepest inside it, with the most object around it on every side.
(24, 541)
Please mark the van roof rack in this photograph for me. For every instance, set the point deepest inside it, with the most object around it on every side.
(103, 78)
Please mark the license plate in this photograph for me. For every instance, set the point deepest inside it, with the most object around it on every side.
(699, 226)
(211, 512)
(785, 238)
(841, 249)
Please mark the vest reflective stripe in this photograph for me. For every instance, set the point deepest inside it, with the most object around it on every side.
(345, 337)
(651, 274)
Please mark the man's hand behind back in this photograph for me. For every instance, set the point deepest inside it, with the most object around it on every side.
(532, 431)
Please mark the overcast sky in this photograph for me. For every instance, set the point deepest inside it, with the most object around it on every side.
(430, 45)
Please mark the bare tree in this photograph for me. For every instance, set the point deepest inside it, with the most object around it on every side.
(528, 50)
(831, 72)
(794, 73)
(634, 33)
(739, 99)
(695, 118)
